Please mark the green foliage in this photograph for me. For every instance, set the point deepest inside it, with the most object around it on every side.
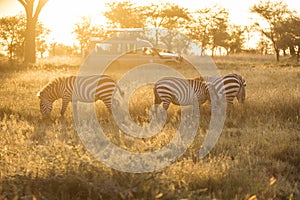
(199, 30)
(169, 16)
(125, 14)
(211, 28)
(84, 32)
(169, 21)
(218, 27)
(176, 17)
(289, 35)
(12, 33)
(274, 13)
(41, 43)
(236, 39)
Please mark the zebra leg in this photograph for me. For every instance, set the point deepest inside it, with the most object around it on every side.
(166, 105)
(64, 106)
(230, 108)
(157, 100)
(107, 102)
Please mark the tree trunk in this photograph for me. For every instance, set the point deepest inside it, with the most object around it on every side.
(292, 50)
(31, 19)
(213, 52)
(30, 41)
(10, 51)
(298, 52)
(277, 54)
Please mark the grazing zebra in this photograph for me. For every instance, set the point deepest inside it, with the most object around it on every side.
(230, 85)
(88, 89)
(180, 91)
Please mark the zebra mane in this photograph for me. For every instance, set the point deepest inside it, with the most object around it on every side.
(200, 78)
(50, 85)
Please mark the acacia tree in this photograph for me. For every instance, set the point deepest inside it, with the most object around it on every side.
(156, 18)
(177, 19)
(274, 13)
(127, 15)
(294, 24)
(218, 29)
(84, 31)
(41, 44)
(235, 40)
(264, 45)
(12, 32)
(199, 28)
(290, 31)
(31, 20)
(169, 16)
(210, 28)
(124, 15)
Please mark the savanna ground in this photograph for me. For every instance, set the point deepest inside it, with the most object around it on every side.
(256, 157)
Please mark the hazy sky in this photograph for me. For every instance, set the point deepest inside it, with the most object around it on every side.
(60, 15)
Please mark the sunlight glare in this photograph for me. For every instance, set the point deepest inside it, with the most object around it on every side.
(63, 14)
(60, 16)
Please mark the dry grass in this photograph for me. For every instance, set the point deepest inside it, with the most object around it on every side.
(256, 157)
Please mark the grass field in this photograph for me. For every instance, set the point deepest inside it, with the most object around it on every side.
(256, 157)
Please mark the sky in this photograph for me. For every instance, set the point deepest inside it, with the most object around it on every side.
(61, 15)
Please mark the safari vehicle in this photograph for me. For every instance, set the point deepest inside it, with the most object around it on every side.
(129, 50)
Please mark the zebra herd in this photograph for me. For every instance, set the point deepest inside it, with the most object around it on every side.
(167, 90)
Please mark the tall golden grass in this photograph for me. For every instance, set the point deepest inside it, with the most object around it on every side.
(256, 157)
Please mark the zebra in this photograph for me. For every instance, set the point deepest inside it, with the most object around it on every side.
(180, 91)
(77, 88)
(230, 85)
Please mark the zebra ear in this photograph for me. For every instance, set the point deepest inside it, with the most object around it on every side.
(38, 94)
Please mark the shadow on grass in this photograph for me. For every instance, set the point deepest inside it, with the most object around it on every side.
(95, 184)
(68, 186)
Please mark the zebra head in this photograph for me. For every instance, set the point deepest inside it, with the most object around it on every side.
(45, 105)
(241, 96)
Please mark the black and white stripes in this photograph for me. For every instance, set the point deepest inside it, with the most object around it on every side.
(166, 91)
(77, 88)
(230, 85)
(179, 91)
(185, 91)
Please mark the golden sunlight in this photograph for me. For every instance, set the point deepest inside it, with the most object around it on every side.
(60, 16)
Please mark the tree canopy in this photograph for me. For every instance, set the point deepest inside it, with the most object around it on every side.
(12, 33)
(172, 27)
(274, 13)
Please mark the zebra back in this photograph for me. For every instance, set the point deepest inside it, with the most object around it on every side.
(230, 85)
(180, 91)
(93, 88)
(53, 90)
(77, 88)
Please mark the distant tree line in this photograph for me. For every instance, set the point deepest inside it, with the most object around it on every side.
(208, 26)
(211, 26)
(283, 26)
